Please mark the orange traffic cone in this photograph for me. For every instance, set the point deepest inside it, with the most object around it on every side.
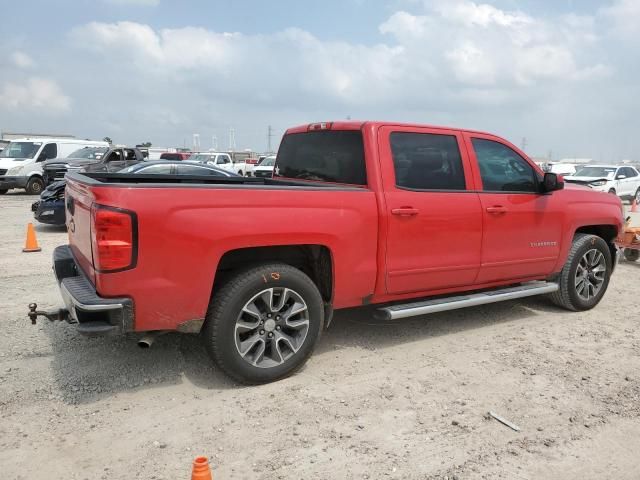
(32, 244)
(201, 470)
(634, 206)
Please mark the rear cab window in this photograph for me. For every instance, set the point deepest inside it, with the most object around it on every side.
(335, 156)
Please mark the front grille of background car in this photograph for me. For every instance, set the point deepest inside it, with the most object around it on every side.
(3, 171)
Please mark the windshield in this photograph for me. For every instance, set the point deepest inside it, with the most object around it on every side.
(330, 156)
(20, 150)
(92, 153)
(268, 162)
(200, 157)
(595, 171)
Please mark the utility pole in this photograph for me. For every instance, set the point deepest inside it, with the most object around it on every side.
(214, 143)
(196, 142)
(232, 139)
(269, 136)
(524, 144)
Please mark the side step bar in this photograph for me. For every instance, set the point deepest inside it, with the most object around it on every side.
(396, 312)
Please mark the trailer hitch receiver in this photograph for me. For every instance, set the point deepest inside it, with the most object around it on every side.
(52, 315)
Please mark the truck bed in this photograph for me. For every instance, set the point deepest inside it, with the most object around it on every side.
(148, 180)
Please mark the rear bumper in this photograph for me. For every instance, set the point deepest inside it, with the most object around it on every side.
(93, 315)
(7, 183)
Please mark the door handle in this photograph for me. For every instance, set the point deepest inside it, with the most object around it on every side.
(405, 211)
(497, 209)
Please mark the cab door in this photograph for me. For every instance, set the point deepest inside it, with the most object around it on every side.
(522, 227)
(434, 217)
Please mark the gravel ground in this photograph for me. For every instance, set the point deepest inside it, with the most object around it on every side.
(407, 400)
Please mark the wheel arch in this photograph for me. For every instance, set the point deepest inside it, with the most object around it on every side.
(607, 232)
(314, 260)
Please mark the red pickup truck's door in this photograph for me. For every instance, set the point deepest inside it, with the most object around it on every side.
(434, 228)
(522, 227)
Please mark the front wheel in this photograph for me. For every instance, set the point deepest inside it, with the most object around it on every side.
(263, 324)
(612, 191)
(636, 197)
(585, 276)
(35, 185)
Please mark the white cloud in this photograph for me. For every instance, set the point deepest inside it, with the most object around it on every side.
(35, 93)
(22, 60)
(484, 15)
(625, 15)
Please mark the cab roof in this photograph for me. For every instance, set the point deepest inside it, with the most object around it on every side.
(360, 124)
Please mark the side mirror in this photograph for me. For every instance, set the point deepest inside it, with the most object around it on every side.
(621, 177)
(552, 182)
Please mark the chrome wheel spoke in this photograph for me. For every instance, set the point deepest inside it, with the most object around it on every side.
(271, 327)
(590, 274)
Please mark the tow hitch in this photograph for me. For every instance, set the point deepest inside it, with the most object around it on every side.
(52, 315)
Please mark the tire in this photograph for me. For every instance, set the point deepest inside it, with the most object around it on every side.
(612, 191)
(636, 197)
(568, 295)
(226, 339)
(35, 185)
(631, 255)
(240, 173)
(3, 191)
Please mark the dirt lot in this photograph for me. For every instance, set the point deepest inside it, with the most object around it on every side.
(404, 400)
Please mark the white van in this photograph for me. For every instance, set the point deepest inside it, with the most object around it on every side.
(21, 160)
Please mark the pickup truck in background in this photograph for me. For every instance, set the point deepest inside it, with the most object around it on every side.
(409, 219)
(91, 159)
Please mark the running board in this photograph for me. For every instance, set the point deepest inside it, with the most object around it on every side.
(396, 312)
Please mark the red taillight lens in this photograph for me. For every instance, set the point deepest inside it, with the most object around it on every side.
(114, 237)
(252, 161)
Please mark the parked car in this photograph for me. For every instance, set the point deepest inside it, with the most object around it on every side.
(162, 167)
(409, 218)
(22, 159)
(175, 155)
(91, 160)
(50, 208)
(265, 168)
(560, 168)
(623, 181)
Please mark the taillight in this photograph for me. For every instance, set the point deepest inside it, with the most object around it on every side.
(114, 238)
(252, 161)
(320, 126)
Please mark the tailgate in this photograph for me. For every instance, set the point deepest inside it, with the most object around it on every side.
(78, 201)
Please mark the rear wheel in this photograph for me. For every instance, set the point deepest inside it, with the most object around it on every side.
(35, 185)
(264, 323)
(631, 255)
(585, 276)
(3, 191)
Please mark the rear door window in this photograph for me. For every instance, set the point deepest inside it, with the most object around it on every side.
(426, 161)
(330, 156)
(502, 169)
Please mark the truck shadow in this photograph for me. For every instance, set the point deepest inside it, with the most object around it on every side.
(90, 369)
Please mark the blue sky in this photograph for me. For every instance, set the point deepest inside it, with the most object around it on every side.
(559, 73)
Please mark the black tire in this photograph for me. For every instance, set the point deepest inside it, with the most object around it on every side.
(35, 186)
(226, 306)
(636, 197)
(3, 191)
(631, 255)
(612, 191)
(240, 173)
(567, 296)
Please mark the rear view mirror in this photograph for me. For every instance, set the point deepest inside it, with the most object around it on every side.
(552, 182)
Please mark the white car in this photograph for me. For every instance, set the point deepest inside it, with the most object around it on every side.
(623, 181)
(265, 167)
(221, 160)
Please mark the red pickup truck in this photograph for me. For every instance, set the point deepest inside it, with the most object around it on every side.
(414, 219)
